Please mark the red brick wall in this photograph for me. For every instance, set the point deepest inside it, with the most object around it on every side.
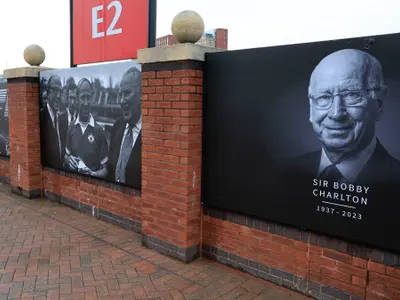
(305, 258)
(4, 169)
(171, 158)
(172, 40)
(23, 110)
(166, 40)
(221, 38)
(93, 194)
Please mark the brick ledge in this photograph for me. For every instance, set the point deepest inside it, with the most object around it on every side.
(96, 181)
(376, 255)
(104, 215)
(275, 276)
(163, 247)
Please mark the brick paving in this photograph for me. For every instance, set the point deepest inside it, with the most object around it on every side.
(50, 251)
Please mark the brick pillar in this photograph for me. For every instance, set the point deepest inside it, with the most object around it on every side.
(24, 130)
(172, 95)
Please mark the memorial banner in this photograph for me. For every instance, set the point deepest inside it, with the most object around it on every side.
(91, 121)
(307, 135)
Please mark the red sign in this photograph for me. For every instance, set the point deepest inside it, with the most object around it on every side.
(105, 30)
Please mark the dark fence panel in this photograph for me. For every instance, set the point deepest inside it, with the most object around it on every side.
(276, 118)
(4, 133)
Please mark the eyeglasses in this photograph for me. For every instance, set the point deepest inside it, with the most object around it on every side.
(351, 98)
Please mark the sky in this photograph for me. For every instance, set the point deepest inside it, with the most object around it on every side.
(250, 23)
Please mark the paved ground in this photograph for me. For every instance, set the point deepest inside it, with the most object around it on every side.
(49, 251)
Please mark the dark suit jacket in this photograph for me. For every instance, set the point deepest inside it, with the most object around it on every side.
(3, 146)
(51, 156)
(381, 174)
(134, 167)
(381, 167)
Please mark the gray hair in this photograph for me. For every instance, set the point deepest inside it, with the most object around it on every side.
(137, 81)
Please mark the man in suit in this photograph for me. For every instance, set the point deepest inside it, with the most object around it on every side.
(124, 164)
(346, 97)
(43, 93)
(53, 126)
(4, 151)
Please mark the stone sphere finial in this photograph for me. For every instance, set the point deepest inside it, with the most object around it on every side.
(187, 27)
(34, 55)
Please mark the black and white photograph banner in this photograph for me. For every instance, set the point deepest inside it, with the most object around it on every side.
(308, 135)
(4, 133)
(91, 121)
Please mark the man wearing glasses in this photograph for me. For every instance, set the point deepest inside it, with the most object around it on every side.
(346, 97)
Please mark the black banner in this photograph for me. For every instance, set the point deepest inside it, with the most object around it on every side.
(307, 135)
(4, 135)
(91, 121)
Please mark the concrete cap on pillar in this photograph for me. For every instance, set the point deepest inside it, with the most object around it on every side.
(187, 27)
(34, 55)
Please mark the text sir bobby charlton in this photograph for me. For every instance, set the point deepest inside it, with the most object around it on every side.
(356, 194)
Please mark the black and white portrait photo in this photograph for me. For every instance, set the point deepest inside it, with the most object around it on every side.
(4, 131)
(91, 121)
(347, 95)
(307, 135)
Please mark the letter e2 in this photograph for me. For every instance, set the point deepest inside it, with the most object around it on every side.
(96, 20)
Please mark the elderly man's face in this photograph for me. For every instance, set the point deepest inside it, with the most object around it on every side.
(54, 94)
(85, 99)
(130, 103)
(342, 112)
(63, 103)
(72, 101)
